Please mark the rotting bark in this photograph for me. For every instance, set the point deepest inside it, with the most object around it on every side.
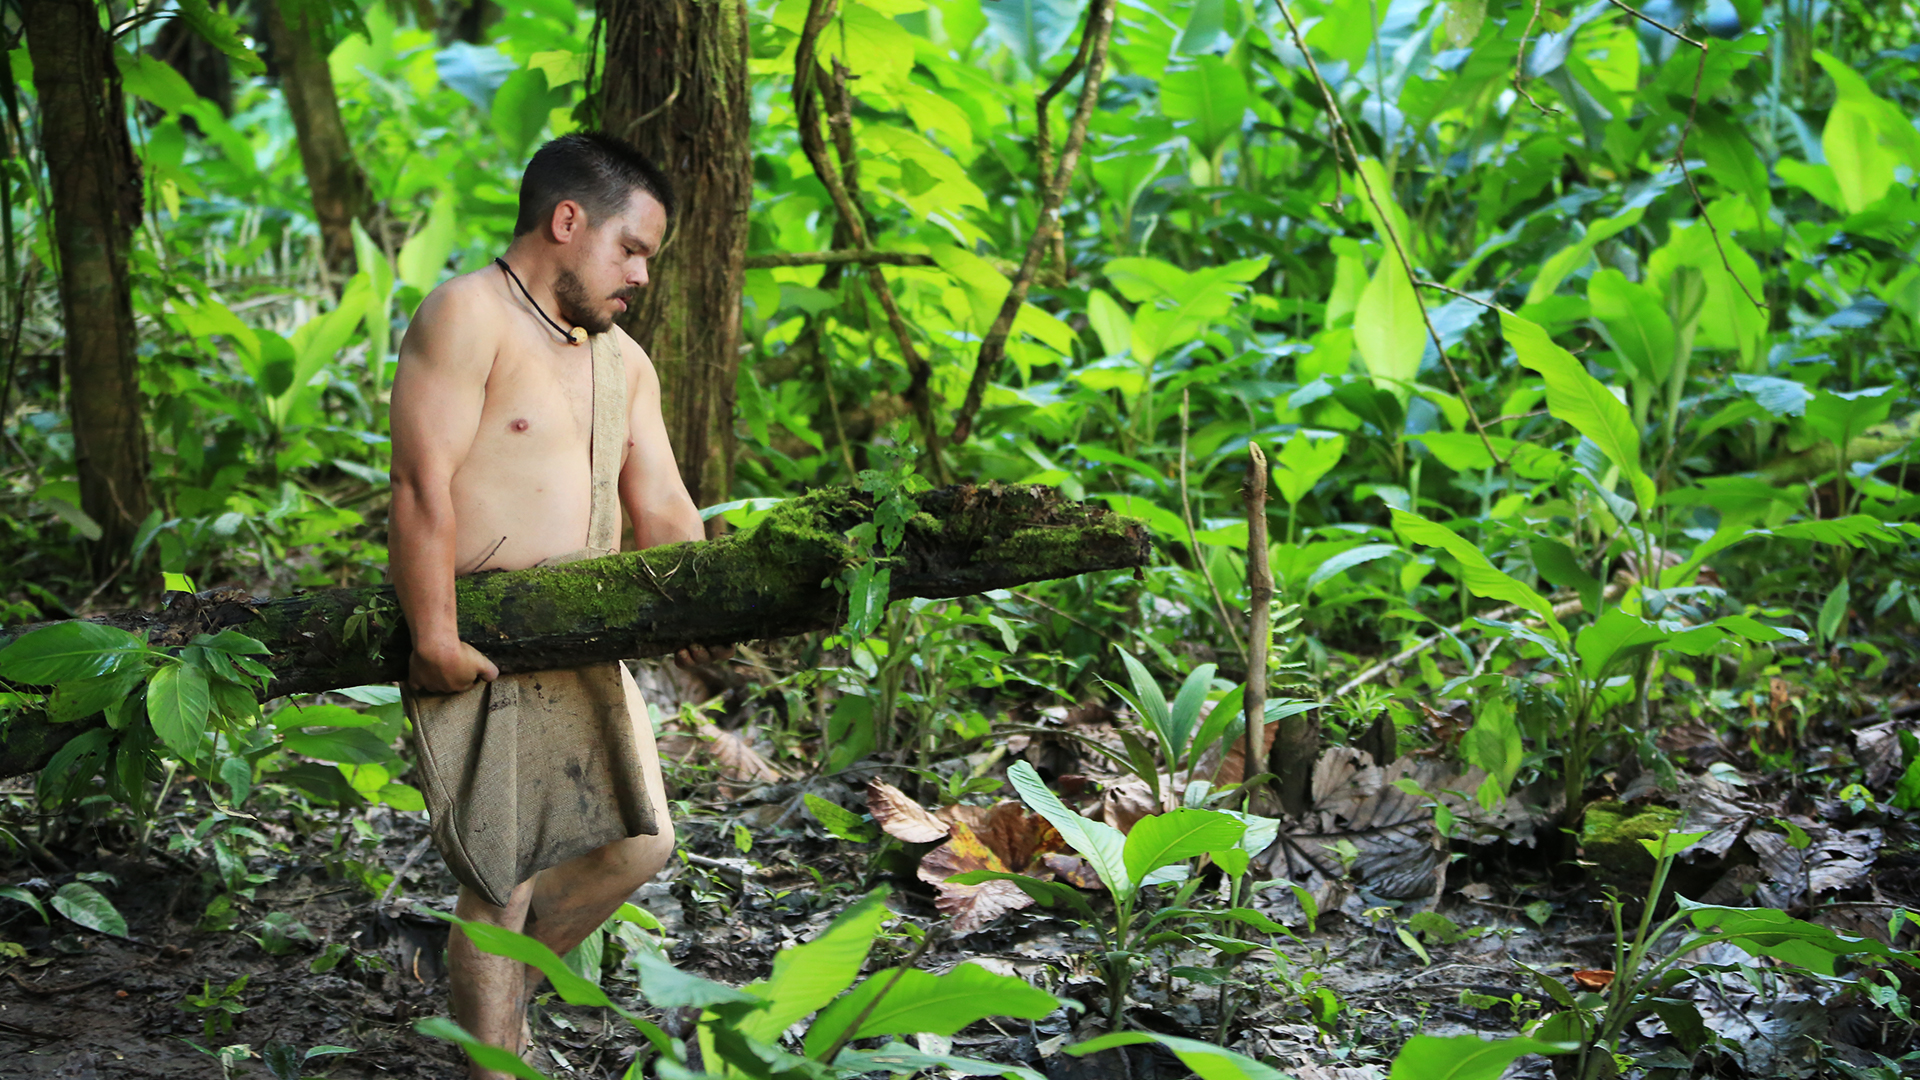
(675, 86)
(766, 581)
(95, 185)
(335, 180)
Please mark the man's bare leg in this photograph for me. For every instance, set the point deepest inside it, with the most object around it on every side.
(572, 899)
(488, 991)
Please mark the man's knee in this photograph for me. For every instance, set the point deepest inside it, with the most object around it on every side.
(635, 860)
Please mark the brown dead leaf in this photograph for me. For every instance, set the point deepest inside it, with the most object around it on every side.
(1073, 870)
(737, 761)
(900, 817)
(1018, 837)
(1593, 979)
(970, 906)
(1131, 799)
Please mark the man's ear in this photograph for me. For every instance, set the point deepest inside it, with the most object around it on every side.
(569, 220)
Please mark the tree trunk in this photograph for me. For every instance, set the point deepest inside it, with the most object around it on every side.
(95, 182)
(762, 582)
(334, 179)
(675, 85)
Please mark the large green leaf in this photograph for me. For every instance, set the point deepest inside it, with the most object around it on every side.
(808, 976)
(1036, 30)
(1636, 321)
(1208, 1062)
(912, 1001)
(1304, 461)
(1165, 839)
(1493, 742)
(1347, 560)
(1839, 416)
(1099, 843)
(501, 941)
(1479, 575)
(1149, 700)
(1465, 1057)
(1211, 96)
(1582, 401)
(67, 651)
(1774, 933)
(1045, 893)
(1184, 714)
(1388, 328)
(485, 1054)
(178, 700)
(1867, 138)
(1571, 258)
(425, 254)
(83, 904)
(668, 987)
(1613, 638)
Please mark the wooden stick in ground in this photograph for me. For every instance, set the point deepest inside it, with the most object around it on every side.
(1260, 616)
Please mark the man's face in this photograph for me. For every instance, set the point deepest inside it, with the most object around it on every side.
(607, 264)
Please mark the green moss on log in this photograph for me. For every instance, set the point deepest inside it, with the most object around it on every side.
(1610, 835)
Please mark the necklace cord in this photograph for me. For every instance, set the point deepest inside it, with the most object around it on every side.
(548, 319)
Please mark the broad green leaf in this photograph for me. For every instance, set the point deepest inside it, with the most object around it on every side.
(1571, 258)
(83, 904)
(1559, 565)
(840, 821)
(222, 31)
(1867, 138)
(521, 108)
(1833, 612)
(1673, 842)
(1165, 839)
(424, 256)
(1111, 323)
(14, 892)
(1036, 30)
(1208, 1062)
(1580, 400)
(1774, 933)
(1211, 96)
(1347, 560)
(501, 941)
(1304, 461)
(912, 1001)
(668, 987)
(68, 650)
(1185, 711)
(178, 700)
(1839, 416)
(1045, 893)
(806, 977)
(155, 81)
(1614, 638)
(485, 1054)
(1388, 328)
(350, 746)
(1151, 701)
(1493, 742)
(1479, 575)
(1099, 843)
(1636, 321)
(1465, 1057)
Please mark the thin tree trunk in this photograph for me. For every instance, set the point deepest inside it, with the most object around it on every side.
(337, 185)
(95, 183)
(762, 582)
(675, 86)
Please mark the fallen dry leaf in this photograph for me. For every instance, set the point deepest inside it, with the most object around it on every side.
(1593, 978)
(900, 817)
(969, 906)
(1003, 837)
(1131, 799)
(738, 762)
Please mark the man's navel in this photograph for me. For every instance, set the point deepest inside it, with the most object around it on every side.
(518, 426)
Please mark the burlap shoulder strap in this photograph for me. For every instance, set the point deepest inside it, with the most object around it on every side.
(609, 440)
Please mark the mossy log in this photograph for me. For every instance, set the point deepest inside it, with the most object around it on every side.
(768, 581)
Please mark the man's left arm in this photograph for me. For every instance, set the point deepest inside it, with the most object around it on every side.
(651, 492)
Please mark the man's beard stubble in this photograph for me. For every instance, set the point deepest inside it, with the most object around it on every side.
(579, 309)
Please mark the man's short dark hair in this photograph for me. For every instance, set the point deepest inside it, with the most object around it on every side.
(593, 169)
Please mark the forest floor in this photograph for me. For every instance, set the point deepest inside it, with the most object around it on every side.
(330, 965)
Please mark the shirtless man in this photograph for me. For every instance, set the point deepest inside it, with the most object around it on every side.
(492, 417)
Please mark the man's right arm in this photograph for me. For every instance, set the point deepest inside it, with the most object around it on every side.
(438, 393)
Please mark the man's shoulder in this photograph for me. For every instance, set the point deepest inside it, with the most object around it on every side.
(466, 296)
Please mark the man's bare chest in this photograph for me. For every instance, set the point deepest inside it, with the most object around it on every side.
(538, 407)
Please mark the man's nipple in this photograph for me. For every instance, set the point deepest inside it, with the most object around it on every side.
(517, 426)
